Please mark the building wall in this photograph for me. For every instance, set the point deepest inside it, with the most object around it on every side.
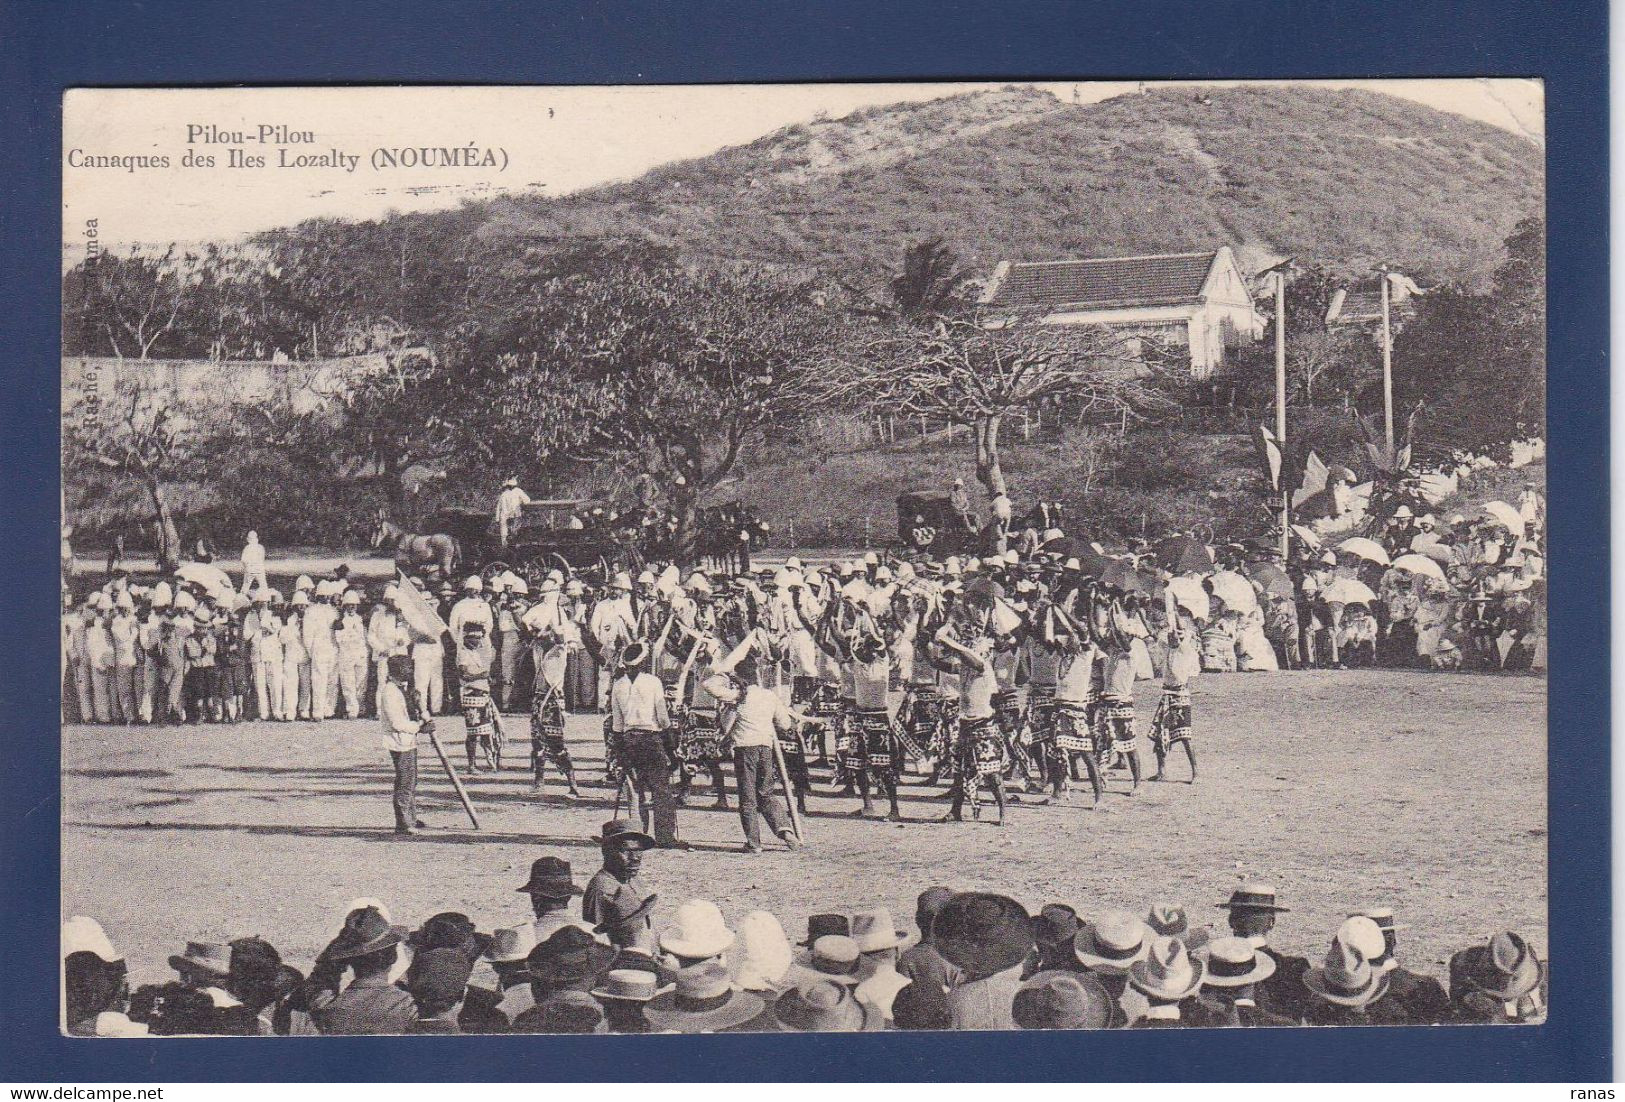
(308, 385)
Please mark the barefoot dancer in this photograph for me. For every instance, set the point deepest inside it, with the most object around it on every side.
(979, 752)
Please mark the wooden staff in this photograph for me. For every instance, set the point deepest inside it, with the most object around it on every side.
(789, 788)
(451, 773)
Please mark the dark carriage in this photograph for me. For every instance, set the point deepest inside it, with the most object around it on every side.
(573, 534)
(928, 524)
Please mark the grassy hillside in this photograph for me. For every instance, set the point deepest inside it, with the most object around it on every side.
(1341, 178)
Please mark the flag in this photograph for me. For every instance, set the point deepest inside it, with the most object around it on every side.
(1270, 450)
(417, 610)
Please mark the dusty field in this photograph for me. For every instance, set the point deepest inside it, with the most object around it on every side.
(1427, 791)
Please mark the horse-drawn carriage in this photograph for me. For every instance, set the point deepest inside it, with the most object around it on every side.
(928, 524)
(568, 534)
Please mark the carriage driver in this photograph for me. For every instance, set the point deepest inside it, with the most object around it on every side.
(509, 503)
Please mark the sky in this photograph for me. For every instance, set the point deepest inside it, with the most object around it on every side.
(546, 140)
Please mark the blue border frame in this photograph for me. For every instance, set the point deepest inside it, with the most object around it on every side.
(54, 45)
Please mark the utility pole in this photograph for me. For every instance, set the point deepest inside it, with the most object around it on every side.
(1280, 404)
(1387, 363)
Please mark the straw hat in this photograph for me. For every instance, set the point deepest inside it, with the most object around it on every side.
(765, 951)
(1113, 943)
(1233, 962)
(1062, 1000)
(1168, 973)
(698, 932)
(1346, 978)
(819, 1006)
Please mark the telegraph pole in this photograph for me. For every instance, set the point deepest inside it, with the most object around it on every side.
(1280, 404)
(1387, 364)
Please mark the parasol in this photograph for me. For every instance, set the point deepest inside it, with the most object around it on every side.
(1271, 578)
(1190, 595)
(1421, 564)
(209, 576)
(1505, 515)
(1348, 591)
(1184, 555)
(1234, 590)
(1122, 576)
(1367, 549)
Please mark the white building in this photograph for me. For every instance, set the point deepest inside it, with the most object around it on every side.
(1197, 301)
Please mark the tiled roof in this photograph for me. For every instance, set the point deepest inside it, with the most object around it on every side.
(1109, 281)
(1364, 304)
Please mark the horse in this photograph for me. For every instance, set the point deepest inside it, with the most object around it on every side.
(414, 550)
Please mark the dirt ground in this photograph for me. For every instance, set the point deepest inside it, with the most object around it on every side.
(1426, 791)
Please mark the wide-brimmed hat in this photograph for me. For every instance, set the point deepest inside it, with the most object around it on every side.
(446, 930)
(623, 832)
(1346, 978)
(699, 931)
(550, 878)
(832, 957)
(702, 1001)
(1506, 969)
(85, 935)
(569, 955)
(819, 1006)
(365, 931)
(511, 944)
(635, 985)
(1252, 896)
(204, 956)
(1168, 973)
(764, 952)
(633, 654)
(823, 925)
(1056, 924)
(1233, 962)
(438, 975)
(930, 904)
(983, 933)
(1062, 1000)
(874, 930)
(1114, 942)
(1168, 921)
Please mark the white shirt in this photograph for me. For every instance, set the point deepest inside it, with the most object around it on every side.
(253, 555)
(400, 729)
(638, 704)
(759, 710)
(509, 501)
(471, 610)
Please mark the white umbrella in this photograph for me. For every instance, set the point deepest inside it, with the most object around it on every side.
(1505, 515)
(207, 575)
(1367, 549)
(1235, 591)
(1190, 595)
(1348, 591)
(1306, 535)
(1421, 564)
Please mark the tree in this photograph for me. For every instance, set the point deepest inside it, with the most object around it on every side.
(142, 435)
(648, 368)
(976, 369)
(126, 304)
(1476, 361)
(932, 282)
(1322, 363)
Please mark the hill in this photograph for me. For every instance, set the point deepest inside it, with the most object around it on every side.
(1342, 178)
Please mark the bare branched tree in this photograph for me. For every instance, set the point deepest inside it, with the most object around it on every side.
(978, 368)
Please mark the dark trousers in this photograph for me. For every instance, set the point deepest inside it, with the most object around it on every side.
(406, 787)
(758, 779)
(644, 755)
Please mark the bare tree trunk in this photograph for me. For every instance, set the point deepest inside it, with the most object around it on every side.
(989, 471)
(169, 539)
(685, 541)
